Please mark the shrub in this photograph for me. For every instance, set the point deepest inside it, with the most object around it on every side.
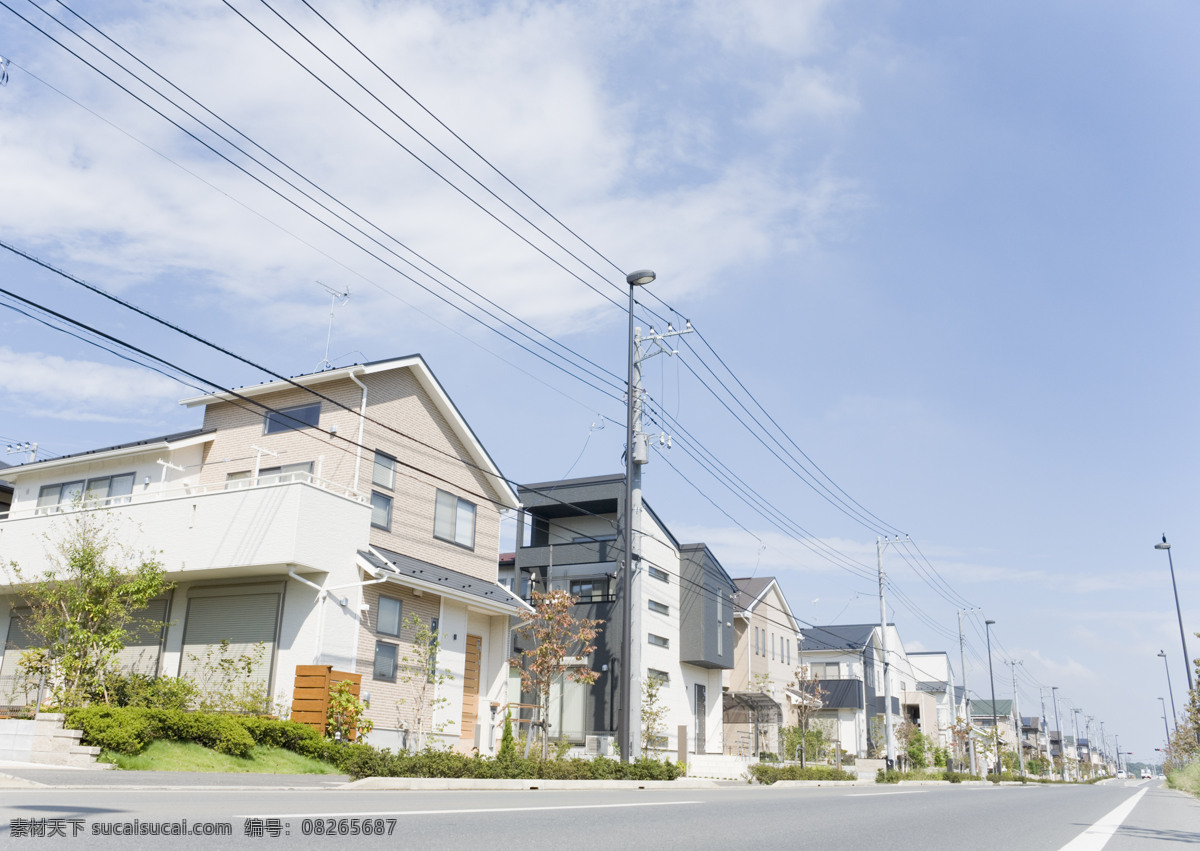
(884, 775)
(768, 774)
(114, 729)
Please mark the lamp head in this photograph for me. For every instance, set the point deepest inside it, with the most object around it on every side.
(989, 623)
(640, 278)
(1164, 545)
(1162, 653)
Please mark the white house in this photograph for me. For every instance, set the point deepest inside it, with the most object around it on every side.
(309, 517)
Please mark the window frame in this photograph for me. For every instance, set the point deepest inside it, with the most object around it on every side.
(440, 503)
(395, 654)
(379, 615)
(658, 573)
(663, 608)
(277, 418)
(390, 467)
(657, 640)
(387, 524)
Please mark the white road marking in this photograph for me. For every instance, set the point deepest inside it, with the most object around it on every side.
(1097, 836)
(395, 813)
(898, 792)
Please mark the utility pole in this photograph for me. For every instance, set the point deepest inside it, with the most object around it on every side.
(962, 657)
(1046, 728)
(1075, 710)
(880, 543)
(1103, 746)
(637, 453)
(1017, 716)
(1062, 751)
(31, 448)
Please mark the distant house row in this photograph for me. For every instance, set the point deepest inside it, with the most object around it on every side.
(320, 518)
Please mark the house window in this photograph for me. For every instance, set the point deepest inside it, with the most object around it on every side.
(586, 589)
(381, 510)
(431, 674)
(655, 674)
(657, 640)
(385, 662)
(772, 648)
(656, 606)
(300, 472)
(290, 419)
(659, 574)
(104, 490)
(383, 473)
(787, 646)
(454, 520)
(388, 620)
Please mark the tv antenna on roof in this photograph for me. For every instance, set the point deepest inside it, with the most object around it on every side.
(336, 299)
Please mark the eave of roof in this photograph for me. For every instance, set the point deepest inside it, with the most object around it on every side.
(441, 580)
(165, 443)
(504, 491)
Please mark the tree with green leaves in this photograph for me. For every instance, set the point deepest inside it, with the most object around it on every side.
(86, 605)
(554, 635)
(417, 668)
(654, 715)
(806, 702)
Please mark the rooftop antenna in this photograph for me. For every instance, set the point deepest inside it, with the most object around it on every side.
(336, 299)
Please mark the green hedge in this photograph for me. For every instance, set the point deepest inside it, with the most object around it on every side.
(768, 774)
(368, 762)
(128, 730)
(893, 776)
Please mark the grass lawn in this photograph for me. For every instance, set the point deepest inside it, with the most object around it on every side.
(164, 755)
(1186, 779)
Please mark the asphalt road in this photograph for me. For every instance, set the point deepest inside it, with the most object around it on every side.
(738, 816)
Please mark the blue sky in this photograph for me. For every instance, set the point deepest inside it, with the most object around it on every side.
(949, 247)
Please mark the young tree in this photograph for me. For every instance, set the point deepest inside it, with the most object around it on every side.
(85, 606)
(417, 669)
(807, 702)
(555, 634)
(913, 744)
(654, 715)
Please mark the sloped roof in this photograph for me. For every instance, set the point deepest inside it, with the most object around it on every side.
(163, 441)
(429, 383)
(750, 591)
(838, 636)
(441, 578)
(979, 708)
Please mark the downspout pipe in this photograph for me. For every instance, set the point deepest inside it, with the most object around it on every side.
(322, 595)
(362, 420)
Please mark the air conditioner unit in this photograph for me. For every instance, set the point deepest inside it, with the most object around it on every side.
(598, 745)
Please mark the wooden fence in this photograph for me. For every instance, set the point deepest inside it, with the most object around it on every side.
(310, 696)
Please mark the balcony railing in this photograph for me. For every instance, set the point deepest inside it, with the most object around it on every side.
(160, 494)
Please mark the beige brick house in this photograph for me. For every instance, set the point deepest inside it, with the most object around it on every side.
(311, 517)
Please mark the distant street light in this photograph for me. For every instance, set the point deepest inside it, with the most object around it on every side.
(1165, 727)
(987, 626)
(1170, 691)
(1187, 664)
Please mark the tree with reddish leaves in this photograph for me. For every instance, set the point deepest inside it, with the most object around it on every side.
(558, 640)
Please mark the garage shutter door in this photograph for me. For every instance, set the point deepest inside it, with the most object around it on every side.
(144, 644)
(245, 620)
(13, 688)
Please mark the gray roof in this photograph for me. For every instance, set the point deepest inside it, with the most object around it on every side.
(980, 708)
(837, 637)
(403, 565)
(749, 589)
(166, 438)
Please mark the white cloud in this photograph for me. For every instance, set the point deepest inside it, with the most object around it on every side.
(528, 84)
(52, 386)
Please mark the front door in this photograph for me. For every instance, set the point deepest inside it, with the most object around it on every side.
(701, 712)
(470, 712)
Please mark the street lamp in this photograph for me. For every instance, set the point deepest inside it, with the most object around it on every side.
(625, 712)
(1166, 729)
(987, 626)
(1170, 691)
(1187, 664)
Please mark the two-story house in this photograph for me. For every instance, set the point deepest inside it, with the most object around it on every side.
(304, 522)
(569, 538)
(931, 702)
(757, 701)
